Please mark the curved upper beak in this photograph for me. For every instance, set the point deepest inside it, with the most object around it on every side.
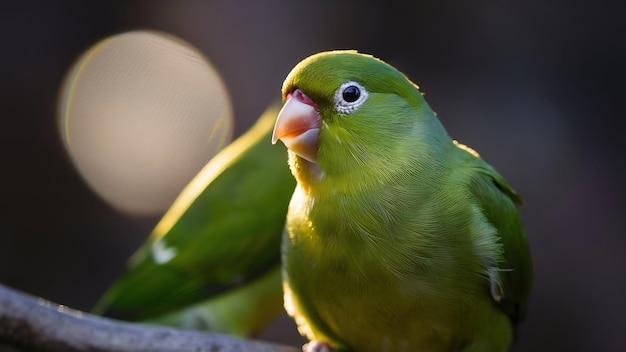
(298, 126)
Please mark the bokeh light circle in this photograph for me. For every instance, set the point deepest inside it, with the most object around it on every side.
(140, 114)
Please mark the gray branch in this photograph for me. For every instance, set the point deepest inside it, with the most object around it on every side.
(31, 323)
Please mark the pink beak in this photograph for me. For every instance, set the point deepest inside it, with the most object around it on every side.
(298, 126)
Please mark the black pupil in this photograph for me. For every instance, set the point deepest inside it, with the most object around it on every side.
(351, 94)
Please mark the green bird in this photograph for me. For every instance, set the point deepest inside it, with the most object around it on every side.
(213, 261)
(398, 238)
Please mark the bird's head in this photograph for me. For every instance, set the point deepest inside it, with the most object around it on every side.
(348, 116)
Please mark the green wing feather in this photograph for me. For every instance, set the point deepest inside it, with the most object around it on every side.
(498, 202)
(220, 235)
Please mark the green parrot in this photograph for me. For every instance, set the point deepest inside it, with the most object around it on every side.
(397, 238)
(213, 261)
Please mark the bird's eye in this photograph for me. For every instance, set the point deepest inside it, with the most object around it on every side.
(351, 94)
(349, 97)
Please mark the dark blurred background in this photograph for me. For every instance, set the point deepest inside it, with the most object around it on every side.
(536, 86)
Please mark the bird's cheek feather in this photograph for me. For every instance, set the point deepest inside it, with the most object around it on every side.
(298, 126)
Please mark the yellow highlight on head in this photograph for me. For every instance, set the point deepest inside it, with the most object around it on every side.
(466, 148)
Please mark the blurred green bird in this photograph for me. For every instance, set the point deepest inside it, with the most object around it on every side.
(213, 261)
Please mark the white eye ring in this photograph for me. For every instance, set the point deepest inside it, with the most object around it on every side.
(345, 107)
